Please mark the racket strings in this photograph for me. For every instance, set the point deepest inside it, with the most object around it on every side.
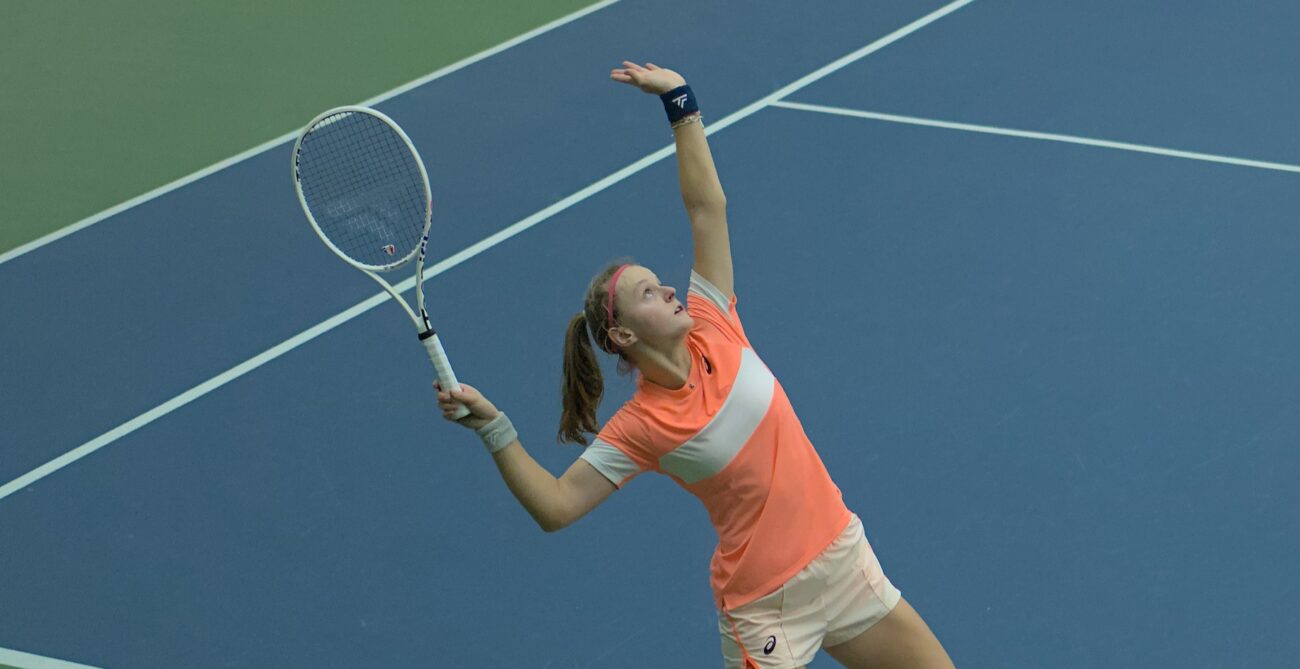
(363, 186)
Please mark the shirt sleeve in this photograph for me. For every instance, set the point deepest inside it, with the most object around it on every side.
(619, 452)
(706, 303)
(611, 462)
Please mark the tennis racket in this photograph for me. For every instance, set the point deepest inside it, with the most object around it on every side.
(366, 193)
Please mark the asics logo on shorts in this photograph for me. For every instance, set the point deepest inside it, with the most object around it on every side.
(771, 645)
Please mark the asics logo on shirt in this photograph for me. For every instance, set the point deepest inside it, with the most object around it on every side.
(771, 645)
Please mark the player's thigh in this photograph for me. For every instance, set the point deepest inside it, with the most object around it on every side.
(901, 639)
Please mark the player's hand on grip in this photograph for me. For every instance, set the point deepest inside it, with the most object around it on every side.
(651, 78)
(481, 411)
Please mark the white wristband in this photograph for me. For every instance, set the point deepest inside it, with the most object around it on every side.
(498, 433)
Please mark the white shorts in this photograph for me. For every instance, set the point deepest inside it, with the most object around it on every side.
(840, 594)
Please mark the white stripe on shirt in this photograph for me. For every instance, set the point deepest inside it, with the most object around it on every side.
(715, 446)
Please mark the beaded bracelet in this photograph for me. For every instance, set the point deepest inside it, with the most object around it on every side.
(693, 118)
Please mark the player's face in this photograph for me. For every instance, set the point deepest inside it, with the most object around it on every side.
(650, 309)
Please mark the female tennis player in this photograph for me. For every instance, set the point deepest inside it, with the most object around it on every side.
(793, 571)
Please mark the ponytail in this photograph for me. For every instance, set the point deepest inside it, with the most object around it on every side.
(583, 383)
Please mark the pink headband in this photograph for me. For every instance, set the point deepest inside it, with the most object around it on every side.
(609, 305)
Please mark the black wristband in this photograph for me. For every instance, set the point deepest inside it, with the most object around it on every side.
(679, 103)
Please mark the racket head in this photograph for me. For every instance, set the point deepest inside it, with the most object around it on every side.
(363, 187)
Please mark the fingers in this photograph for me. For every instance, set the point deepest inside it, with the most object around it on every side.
(447, 406)
(450, 402)
(630, 73)
(649, 77)
(464, 387)
(445, 396)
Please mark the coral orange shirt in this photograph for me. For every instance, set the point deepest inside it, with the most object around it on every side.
(730, 437)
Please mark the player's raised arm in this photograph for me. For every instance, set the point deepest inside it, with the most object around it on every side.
(706, 204)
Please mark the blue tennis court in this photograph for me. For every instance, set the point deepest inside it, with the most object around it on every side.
(1026, 270)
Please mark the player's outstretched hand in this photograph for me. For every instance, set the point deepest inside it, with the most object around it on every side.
(481, 411)
(651, 78)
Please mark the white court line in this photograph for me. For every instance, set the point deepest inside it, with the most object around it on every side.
(293, 134)
(469, 252)
(23, 660)
(1029, 134)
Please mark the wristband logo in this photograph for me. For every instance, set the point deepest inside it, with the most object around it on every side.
(680, 101)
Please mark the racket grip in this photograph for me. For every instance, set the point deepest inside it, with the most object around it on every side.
(446, 377)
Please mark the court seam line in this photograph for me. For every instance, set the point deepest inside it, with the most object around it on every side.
(240, 157)
(18, 658)
(1034, 134)
(450, 262)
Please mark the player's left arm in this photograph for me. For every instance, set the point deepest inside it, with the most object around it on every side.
(706, 203)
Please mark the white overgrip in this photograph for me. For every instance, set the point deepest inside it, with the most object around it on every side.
(446, 377)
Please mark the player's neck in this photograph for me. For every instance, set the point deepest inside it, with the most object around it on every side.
(670, 369)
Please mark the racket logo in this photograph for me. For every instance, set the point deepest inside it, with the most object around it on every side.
(390, 249)
(680, 101)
